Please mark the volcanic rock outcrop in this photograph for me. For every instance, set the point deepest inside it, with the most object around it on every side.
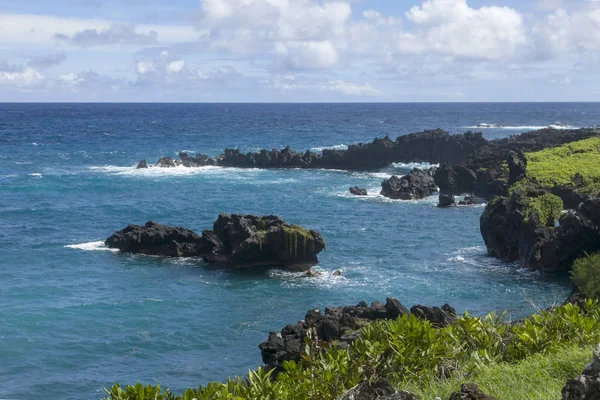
(587, 385)
(358, 191)
(342, 325)
(416, 185)
(237, 241)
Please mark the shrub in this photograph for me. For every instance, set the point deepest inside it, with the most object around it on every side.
(412, 353)
(586, 275)
(558, 165)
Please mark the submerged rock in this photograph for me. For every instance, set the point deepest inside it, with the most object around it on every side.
(470, 391)
(142, 164)
(237, 241)
(416, 185)
(587, 385)
(358, 191)
(446, 200)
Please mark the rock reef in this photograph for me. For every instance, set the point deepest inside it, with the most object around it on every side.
(416, 185)
(236, 241)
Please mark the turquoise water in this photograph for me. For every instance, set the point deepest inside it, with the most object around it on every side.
(75, 317)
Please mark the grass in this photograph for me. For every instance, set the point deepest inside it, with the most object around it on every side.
(557, 166)
(539, 377)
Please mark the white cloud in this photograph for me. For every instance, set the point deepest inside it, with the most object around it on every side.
(175, 66)
(354, 89)
(116, 33)
(307, 55)
(453, 28)
(37, 30)
(563, 32)
(143, 67)
(27, 77)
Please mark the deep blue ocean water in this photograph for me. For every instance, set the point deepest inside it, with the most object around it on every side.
(75, 317)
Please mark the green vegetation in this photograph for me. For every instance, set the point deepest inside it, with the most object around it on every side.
(558, 166)
(528, 360)
(546, 205)
(296, 238)
(585, 275)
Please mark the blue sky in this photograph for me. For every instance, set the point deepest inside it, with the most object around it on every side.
(299, 50)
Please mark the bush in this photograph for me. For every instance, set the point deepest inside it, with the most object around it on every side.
(558, 165)
(412, 353)
(586, 275)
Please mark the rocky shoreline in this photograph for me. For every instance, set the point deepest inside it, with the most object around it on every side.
(342, 326)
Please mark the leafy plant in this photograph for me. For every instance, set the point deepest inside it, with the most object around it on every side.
(586, 275)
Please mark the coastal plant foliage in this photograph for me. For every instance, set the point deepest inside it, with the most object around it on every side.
(585, 274)
(413, 354)
(547, 206)
(558, 166)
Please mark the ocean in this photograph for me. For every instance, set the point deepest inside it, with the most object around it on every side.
(76, 318)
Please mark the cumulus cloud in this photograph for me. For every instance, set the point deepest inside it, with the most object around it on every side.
(303, 34)
(453, 28)
(12, 75)
(563, 32)
(117, 33)
(47, 60)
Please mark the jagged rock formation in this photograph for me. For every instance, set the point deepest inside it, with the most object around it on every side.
(446, 200)
(358, 191)
(238, 241)
(468, 201)
(167, 162)
(416, 185)
(341, 324)
(379, 390)
(521, 227)
(142, 164)
(470, 391)
(587, 385)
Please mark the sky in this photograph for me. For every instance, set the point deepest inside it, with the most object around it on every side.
(299, 50)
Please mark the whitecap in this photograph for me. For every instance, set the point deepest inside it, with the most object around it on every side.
(523, 127)
(335, 147)
(35, 174)
(236, 173)
(414, 165)
(23, 162)
(35, 144)
(90, 246)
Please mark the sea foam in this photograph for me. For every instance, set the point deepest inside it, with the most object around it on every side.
(90, 246)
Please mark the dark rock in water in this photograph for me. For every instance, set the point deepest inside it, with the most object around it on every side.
(587, 385)
(358, 191)
(439, 317)
(200, 160)
(513, 230)
(446, 200)
(156, 239)
(238, 241)
(166, 162)
(339, 324)
(243, 241)
(379, 390)
(470, 391)
(457, 179)
(416, 185)
(468, 201)
(517, 166)
(142, 164)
